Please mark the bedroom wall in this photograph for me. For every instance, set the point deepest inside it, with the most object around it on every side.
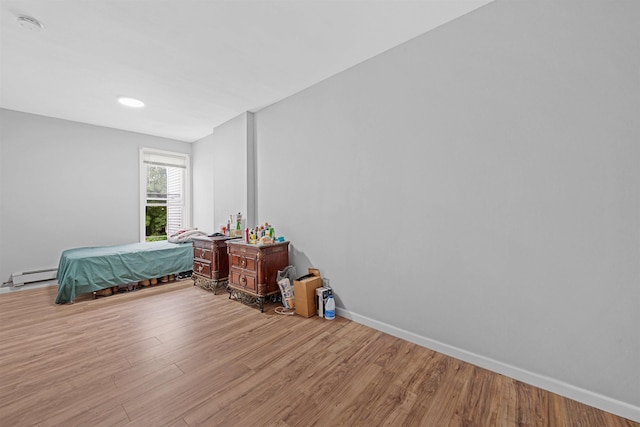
(477, 190)
(202, 159)
(65, 184)
(222, 170)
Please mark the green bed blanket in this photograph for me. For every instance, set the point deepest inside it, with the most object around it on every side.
(84, 270)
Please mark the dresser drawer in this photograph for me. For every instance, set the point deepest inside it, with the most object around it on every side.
(202, 253)
(202, 268)
(243, 280)
(243, 261)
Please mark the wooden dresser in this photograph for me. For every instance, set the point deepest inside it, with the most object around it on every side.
(253, 270)
(210, 262)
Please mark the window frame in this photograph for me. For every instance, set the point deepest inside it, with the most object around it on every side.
(142, 185)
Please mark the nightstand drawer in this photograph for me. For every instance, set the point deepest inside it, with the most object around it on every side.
(202, 268)
(245, 281)
(202, 253)
(244, 262)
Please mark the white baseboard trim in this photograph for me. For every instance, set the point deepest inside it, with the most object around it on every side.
(587, 397)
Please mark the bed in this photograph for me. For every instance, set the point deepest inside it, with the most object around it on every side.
(91, 269)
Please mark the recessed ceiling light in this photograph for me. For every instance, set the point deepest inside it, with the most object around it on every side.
(131, 102)
(30, 23)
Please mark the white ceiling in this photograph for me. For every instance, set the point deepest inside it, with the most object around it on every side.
(195, 63)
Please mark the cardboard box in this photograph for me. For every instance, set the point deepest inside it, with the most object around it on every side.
(304, 292)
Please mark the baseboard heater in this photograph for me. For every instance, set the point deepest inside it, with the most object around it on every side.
(21, 278)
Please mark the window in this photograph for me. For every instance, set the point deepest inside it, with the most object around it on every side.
(164, 190)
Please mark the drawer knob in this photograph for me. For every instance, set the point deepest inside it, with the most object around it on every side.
(243, 280)
(243, 262)
(200, 268)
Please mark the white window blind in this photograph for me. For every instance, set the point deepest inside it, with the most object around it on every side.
(165, 159)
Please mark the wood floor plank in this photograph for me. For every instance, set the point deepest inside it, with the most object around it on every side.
(532, 405)
(179, 395)
(177, 355)
(426, 384)
(400, 401)
(503, 406)
(105, 414)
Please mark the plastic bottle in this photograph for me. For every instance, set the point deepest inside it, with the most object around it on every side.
(330, 309)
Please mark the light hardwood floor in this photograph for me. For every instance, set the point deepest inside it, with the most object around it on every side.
(177, 355)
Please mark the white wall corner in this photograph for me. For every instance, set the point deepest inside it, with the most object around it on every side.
(252, 185)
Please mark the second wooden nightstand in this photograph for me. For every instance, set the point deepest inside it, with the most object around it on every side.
(253, 270)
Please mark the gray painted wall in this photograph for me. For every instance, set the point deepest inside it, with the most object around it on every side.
(65, 184)
(479, 187)
(224, 156)
(202, 161)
